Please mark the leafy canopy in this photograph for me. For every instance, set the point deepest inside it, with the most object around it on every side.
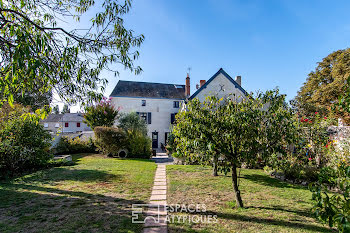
(325, 85)
(239, 132)
(38, 53)
(101, 114)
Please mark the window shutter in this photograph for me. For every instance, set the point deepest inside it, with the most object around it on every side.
(149, 117)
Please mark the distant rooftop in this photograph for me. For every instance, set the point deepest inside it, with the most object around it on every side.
(148, 90)
(64, 117)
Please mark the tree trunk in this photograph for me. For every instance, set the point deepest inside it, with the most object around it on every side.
(239, 202)
(215, 165)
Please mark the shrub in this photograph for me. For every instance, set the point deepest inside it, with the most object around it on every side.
(24, 144)
(139, 145)
(333, 209)
(109, 140)
(101, 114)
(68, 145)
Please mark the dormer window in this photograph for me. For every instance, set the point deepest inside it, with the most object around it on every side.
(143, 102)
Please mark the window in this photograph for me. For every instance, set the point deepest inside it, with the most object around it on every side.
(176, 104)
(172, 118)
(57, 125)
(78, 124)
(143, 102)
(166, 137)
(66, 124)
(147, 116)
(46, 125)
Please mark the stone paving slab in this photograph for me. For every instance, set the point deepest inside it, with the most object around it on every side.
(160, 187)
(155, 221)
(160, 179)
(156, 203)
(155, 230)
(156, 211)
(159, 183)
(158, 197)
(160, 173)
(157, 192)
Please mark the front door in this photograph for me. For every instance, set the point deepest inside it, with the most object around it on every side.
(154, 139)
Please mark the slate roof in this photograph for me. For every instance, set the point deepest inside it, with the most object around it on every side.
(213, 77)
(53, 118)
(67, 117)
(148, 90)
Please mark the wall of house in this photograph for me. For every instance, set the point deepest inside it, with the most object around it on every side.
(214, 88)
(72, 127)
(161, 110)
(51, 126)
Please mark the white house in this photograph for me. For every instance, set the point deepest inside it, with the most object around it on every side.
(221, 85)
(158, 103)
(65, 123)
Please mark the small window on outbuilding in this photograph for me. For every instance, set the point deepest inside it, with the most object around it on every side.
(143, 102)
(78, 124)
(66, 124)
(57, 125)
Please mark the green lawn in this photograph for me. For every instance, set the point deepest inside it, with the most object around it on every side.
(271, 205)
(94, 195)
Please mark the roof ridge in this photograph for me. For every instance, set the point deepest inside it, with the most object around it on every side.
(152, 82)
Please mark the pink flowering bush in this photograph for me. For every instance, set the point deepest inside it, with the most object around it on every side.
(101, 114)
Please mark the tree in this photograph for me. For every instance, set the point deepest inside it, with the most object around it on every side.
(56, 109)
(36, 46)
(325, 86)
(133, 123)
(101, 114)
(139, 143)
(33, 99)
(256, 127)
(65, 109)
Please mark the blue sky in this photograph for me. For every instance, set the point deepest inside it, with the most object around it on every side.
(269, 43)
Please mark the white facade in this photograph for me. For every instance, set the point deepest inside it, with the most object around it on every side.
(220, 86)
(160, 109)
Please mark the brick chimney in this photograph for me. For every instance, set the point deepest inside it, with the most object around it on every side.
(187, 87)
(201, 83)
(239, 80)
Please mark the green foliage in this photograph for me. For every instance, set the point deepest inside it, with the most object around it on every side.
(133, 123)
(24, 144)
(101, 114)
(325, 86)
(237, 131)
(56, 110)
(38, 55)
(68, 145)
(109, 140)
(333, 209)
(65, 109)
(33, 98)
(138, 143)
(303, 159)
